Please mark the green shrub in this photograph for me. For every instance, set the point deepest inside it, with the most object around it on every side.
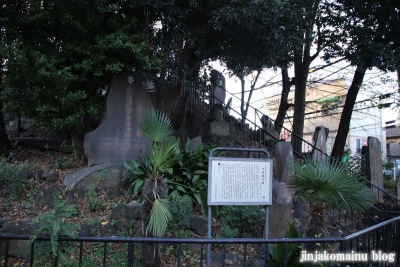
(286, 255)
(94, 203)
(190, 172)
(181, 209)
(11, 180)
(247, 220)
(63, 163)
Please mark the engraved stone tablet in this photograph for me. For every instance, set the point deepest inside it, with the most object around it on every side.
(320, 137)
(218, 89)
(117, 138)
(374, 166)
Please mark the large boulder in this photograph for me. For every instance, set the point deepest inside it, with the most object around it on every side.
(111, 175)
(16, 247)
(124, 214)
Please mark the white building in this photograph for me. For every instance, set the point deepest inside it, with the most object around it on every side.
(324, 104)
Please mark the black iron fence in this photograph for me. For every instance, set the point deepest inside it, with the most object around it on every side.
(375, 246)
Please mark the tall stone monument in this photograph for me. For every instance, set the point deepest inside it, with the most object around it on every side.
(282, 194)
(218, 89)
(117, 138)
(374, 165)
(319, 138)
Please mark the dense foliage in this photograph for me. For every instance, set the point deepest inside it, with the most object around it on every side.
(12, 181)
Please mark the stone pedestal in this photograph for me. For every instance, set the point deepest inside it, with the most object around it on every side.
(279, 218)
(218, 128)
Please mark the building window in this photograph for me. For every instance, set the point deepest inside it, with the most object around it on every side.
(388, 149)
(359, 143)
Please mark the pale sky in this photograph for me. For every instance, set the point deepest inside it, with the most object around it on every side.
(375, 81)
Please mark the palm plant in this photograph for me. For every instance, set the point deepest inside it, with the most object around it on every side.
(158, 162)
(325, 182)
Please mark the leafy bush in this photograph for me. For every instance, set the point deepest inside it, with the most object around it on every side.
(63, 163)
(181, 209)
(55, 224)
(11, 180)
(94, 203)
(190, 172)
(248, 221)
(285, 255)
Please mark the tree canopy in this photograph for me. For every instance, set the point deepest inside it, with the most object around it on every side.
(58, 57)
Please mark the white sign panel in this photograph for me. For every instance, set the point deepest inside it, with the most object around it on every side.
(241, 181)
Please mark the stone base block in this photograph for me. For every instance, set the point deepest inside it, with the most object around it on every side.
(218, 128)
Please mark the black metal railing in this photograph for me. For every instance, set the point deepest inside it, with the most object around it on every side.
(378, 244)
(248, 131)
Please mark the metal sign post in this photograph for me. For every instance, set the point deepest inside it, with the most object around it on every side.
(238, 181)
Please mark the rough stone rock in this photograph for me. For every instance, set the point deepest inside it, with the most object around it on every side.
(114, 194)
(90, 229)
(108, 230)
(75, 195)
(16, 247)
(196, 247)
(220, 257)
(104, 176)
(24, 174)
(46, 196)
(256, 262)
(52, 177)
(199, 225)
(125, 213)
(37, 174)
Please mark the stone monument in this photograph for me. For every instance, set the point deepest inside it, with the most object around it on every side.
(374, 165)
(282, 194)
(117, 138)
(218, 90)
(319, 138)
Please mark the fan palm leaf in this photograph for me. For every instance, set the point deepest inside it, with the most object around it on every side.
(163, 155)
(159, 217)
(156, 125)
(323, 181)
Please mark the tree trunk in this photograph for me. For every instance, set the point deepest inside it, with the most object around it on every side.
(242, 110)
(301, 69)
(17, 124)
(316, 225)
(398, 80)
(344, 124)
(4, 142)
(283, 105)
(188, 65)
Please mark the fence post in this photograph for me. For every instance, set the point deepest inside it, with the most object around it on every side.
(130, 254)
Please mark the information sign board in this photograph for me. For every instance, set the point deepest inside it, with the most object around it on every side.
(239, 181)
